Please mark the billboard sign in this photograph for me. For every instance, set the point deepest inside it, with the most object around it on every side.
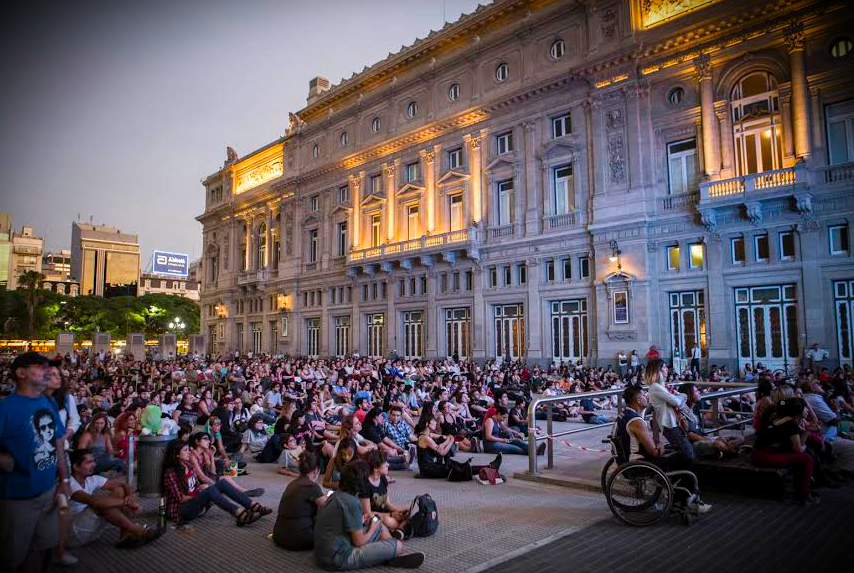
(175, 264)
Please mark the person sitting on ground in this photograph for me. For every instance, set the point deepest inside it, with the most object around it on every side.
(98, 440)
(633, 430)
(342, 539)
(187, 498)
(96, 502)
(433, 449)
(289, 458)
(255, 437)
(374, 496)
(374, 430)
(496, 438)
(781, 442)
(398, 429)
(452, 425)
(345, 451)
(294, 528)
(704, 446)
(202, 461)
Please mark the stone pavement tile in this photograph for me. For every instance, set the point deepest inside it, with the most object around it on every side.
(477, 523)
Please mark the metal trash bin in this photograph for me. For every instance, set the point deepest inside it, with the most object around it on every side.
(151, 452)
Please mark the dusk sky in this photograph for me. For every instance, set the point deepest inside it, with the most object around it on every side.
(116, 110)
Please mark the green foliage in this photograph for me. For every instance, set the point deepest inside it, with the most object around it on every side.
(83, 315)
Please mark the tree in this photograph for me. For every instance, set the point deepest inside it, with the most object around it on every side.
(31, 281)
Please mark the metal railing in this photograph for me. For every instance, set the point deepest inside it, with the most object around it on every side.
(735, 389)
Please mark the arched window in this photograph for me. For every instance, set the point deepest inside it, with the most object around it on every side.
(262, 246)
(756, 124)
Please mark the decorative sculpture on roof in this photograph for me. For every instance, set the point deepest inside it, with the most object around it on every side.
(295, 124)
(230, 155)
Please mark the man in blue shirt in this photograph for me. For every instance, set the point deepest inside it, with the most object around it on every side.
(31, 453)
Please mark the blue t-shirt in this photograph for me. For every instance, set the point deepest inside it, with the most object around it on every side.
(29, 429)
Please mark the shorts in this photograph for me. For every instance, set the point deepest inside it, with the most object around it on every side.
(86, 527)
(28, 525)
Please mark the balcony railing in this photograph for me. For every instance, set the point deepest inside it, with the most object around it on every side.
(842, 173)
(502, 232)
(412, 246)
(746, 184)
(562, 220)
(672, 202)
(250, 277)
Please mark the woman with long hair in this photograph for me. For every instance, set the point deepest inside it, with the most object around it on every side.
(667, 407)
(294, 528)
(97, 438)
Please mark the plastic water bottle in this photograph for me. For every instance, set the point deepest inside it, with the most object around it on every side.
(161, 513)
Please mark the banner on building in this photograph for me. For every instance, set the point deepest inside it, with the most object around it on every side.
(174, 264)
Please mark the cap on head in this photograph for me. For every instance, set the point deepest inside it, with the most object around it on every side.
(28, 359)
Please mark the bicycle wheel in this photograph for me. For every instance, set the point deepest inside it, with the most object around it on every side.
(639, 493)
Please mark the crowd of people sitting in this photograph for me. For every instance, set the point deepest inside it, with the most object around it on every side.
(347, 422)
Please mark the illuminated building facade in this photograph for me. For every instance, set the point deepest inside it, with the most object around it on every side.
(557, 181)
(104, 260)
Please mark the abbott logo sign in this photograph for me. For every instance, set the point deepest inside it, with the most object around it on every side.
(175, 264)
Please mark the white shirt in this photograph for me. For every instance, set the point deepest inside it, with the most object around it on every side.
(663, 402)
(89, 486)
(695, 353)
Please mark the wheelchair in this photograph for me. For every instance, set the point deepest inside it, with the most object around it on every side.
(640, 493)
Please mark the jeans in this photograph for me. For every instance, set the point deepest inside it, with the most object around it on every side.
(220, 494)
(397, 463)
(679, 440)
(110, 462)
(514, 447)
(596, 420)
(375, 552)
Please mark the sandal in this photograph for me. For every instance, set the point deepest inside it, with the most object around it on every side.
(246, 517)
(260, 509)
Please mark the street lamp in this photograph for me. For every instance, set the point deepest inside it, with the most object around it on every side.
(177, 324)
(615, 254)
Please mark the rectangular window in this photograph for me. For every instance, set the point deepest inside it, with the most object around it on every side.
(523, 274)
(682, 168)
(838, 239)
(737, 248)
(621, 307)
(376, 230)
(443, 282)
(567, 269)
(493, 277)
(760, 246)
(312, 246)
(373, 291)
(584, 265)
(550, 271)
(840, 132)
(285, 331)
(412, 172)
(455, 158)
(364, 292)
(343, 194)
(412, 227)
(695, 256)
(456, 212)
(508, 277)
(376, 184)
(564, 201)
(342, 238)
(423, 285)
(787, 246)
(314, 203)
(384, 290)
(401, 288)
(561, 125)
(505, 202)
(504, 143)
(672, 258)
(412, 286)
(456, 276)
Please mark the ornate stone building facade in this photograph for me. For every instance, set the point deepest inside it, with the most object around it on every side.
(556, 180)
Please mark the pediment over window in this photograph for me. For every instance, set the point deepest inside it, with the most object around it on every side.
(558, 148)
(372, 198)
(408, 189)
(452, 178)
(310, 220)
(619, 281)
(341, 208)
(499, 163)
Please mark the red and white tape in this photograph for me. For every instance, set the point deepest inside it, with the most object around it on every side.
(584, 448)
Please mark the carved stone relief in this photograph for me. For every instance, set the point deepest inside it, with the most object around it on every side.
(616, 159)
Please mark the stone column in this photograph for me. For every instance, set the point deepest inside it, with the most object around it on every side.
(717, 302)
(788, 135)
(326, 238)
(533, 312)
(533, 193)
(800, 106)
(817, 136)
(478, 318)
(268, 238)
(356, 213)
(428, 162)
(391, 324)
(711, 155)
(355, 320)
(248, 264)
(299, 232)
(474, 200)
(812, 297)
(727, 151)
(433, 315)
(390, 202)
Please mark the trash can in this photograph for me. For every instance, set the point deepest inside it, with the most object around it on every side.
(151, 452)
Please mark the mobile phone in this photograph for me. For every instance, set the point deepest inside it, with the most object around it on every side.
(375, 519)
(329, 493)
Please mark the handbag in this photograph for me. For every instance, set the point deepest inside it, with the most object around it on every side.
(460, 471)
(491, 476)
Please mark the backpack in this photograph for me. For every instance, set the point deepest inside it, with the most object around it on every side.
(423, 517)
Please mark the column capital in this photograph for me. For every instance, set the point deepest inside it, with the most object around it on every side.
(794, 38)
(428, 155)
(703, 67)
(389, 169)
(474, 141)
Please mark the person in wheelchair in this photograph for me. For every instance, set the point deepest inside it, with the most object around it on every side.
(634, 433)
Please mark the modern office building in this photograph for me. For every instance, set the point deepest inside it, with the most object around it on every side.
(104, 260)
(556, 180)
(26, 255)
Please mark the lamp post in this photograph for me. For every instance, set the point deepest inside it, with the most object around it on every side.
(177, 324)
(615, 254)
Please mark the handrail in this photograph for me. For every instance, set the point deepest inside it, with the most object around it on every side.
(736, 389)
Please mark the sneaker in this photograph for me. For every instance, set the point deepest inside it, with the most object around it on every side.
(397, 534)
(408, 561)
(413, 453)
(67, 560)
(703, 508)
(475, 445)
(541, 449)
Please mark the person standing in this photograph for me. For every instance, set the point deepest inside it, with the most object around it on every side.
(695, 361)
(622, 362)
(32, 453)
(634, 361)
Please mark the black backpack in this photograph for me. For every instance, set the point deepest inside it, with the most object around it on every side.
(423, 517)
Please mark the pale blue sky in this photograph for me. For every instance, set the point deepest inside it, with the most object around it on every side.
(117, 109)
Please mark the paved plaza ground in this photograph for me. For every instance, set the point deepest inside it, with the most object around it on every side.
(524, 526)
